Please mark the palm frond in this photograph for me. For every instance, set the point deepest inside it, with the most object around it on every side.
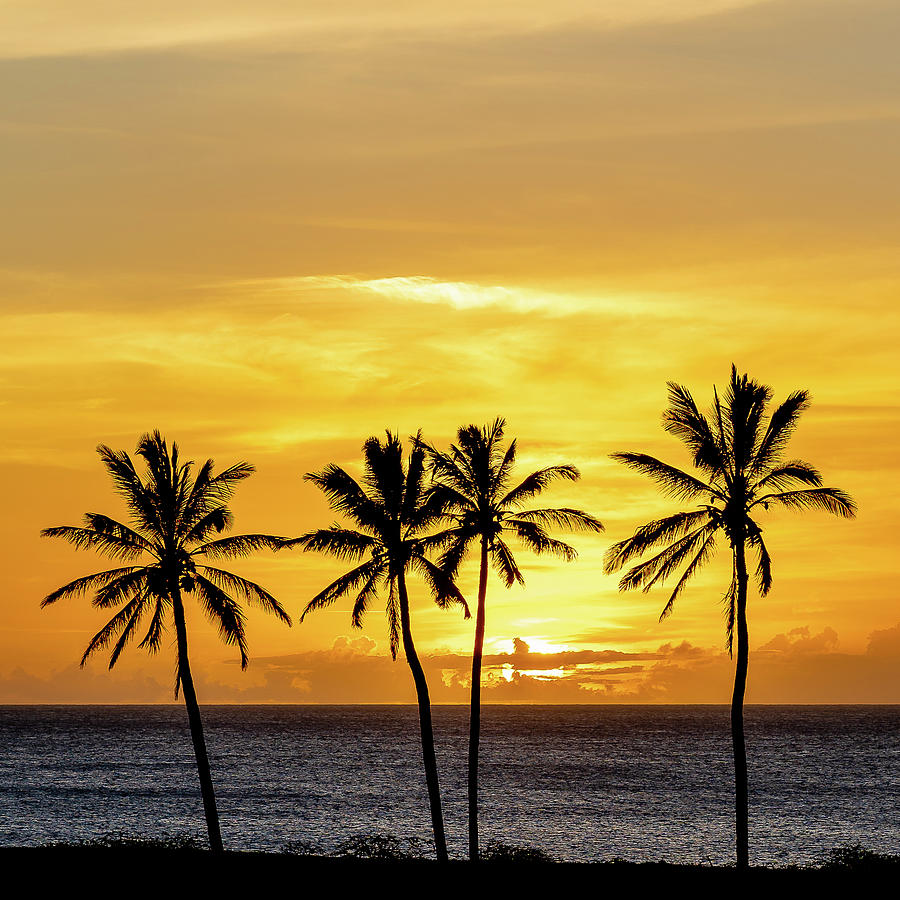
(237, 545)
(225, 614)
(112, 628)
(248, 590)
(503, 470)
(113, 545)
(384, 473)
(120, 590)
(128, 485)
(411, 508)
(658, 568)
(672, 481)
(449, 498)
(346, 496)
(216, 521)
(153, 637)
(345, 584)
(781, 426)
(788, 475)
(196, 505)
(128, 631)
(764, 562)
(745, 403)
(683, 420)
(707, 548)
(564, 517)
(832, 500)
(504, 563)
(447, 472)
(537, 481)
(538, 541)
(392, 611)
(341, 543)
(86, 584)
(453, 556)
(650, 535)
(366, 595)
(443, 588)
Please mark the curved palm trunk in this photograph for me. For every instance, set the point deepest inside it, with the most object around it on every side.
(737, 713)
(475, 709)
(427, 731)
(193, 711)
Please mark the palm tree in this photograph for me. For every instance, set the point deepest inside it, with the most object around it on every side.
(472, 482)
(739, 457)
(393, 514)
(173, 515)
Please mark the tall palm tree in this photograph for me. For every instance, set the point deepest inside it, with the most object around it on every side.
(472, 482)
(742, 472)
(173, 516)
(393, 515)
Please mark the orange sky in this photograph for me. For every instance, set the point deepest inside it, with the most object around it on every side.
(272, 233)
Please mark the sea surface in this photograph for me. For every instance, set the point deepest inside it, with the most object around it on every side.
(580, 782)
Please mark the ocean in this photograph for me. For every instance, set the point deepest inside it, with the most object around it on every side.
(579, 782)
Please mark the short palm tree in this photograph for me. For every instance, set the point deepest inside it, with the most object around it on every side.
(472, 482)
(173, 515)
(742, 472)
(394, 517)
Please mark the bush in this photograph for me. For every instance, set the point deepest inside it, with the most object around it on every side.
(856, 858)
(118, 840)
(497, 851)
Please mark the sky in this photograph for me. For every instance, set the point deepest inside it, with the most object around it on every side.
(272, 229)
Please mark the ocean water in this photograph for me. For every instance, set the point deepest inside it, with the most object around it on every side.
(582, 783)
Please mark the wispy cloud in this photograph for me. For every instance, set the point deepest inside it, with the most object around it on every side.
(466, 295)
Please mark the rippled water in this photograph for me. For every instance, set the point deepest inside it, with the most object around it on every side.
(580, 782)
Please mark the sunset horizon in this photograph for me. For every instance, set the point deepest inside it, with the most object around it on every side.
(443, 434)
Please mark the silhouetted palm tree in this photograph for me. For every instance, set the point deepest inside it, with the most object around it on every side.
(394, 515)
(739, 457)
(173, 515)
(472, 482)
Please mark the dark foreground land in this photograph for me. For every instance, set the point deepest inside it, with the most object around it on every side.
(191, 872)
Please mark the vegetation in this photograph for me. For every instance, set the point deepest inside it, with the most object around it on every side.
(394, 516)
(742, 471)
(473, 483)
(174, 515)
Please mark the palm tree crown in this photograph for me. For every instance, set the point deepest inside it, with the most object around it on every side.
(395, 518)
(173, 517)
(739, 456)
(473, 483)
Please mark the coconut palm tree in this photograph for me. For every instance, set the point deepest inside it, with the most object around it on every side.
(394, 516)
(173, 515)
(472, 482)
(739, 456)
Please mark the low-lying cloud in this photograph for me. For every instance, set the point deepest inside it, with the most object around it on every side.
(796, 666)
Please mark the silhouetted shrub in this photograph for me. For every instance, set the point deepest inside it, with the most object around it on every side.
(857, 858)
(118, 840)
(497, 851)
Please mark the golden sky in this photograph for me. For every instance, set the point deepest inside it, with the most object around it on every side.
(272, 229)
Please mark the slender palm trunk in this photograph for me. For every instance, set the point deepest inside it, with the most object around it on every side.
(425, 726)
(475, 709)
(737, 712)
(193, 711)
